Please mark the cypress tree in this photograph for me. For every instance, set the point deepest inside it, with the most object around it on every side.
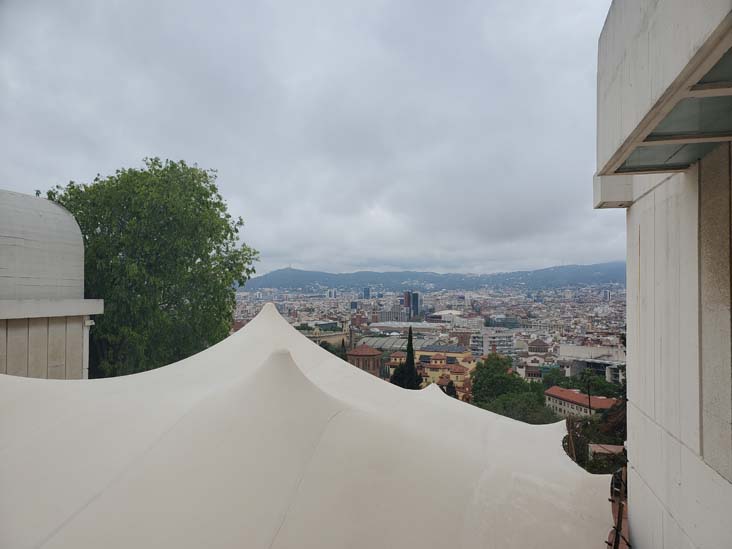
(343, 353)
(406, 375)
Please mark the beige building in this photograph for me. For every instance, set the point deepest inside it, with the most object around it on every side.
(571, 402)
(664, 126)
(44, 318)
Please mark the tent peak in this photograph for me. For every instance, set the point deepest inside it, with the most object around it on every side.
(269, 309)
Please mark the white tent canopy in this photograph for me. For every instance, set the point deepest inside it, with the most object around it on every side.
(267, 440)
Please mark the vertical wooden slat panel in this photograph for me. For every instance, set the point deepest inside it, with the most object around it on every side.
(17, 347)
(57, 348)
(74, 345)
(38, 347)
(3, 346)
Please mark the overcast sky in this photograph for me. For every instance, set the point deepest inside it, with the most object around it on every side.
(448, 136)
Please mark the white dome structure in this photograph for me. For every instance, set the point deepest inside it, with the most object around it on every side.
(41, 250)
(44, 318)
(268, 441)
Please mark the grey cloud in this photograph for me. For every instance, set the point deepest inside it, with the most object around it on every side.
(450, 136)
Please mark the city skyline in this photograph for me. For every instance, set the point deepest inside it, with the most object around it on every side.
(261, 272)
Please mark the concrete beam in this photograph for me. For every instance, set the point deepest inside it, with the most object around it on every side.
(612, 191)
(48, 308)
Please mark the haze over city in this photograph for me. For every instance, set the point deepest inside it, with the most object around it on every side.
(396, 134)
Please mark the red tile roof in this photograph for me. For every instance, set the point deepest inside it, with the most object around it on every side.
(364, 350)
(606, 449)
(574, 396)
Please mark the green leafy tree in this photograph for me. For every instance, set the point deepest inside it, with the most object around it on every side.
(405, 375)
(527, 407)
(498, 389)
(587, 382)
(343, 353)
(590, 383)
(450, 389)
(328, 347)
(339, 351)
(553, 377)
(163, 252)
(492, 379)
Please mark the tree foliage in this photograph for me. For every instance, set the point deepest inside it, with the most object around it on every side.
(450, 389)
(498, 389)
(339, 351)
(342, 352)
(526, 406)
(490, 379)
(163, 252)
(594, 430)
(405, 375)
(588, 382)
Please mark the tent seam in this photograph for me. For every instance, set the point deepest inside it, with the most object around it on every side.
(302, 476)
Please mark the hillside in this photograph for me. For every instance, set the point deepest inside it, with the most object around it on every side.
(552, 277)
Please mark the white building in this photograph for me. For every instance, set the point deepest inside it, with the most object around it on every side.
(483, 342)
(44, 318)
(664, 98)
(605, 360)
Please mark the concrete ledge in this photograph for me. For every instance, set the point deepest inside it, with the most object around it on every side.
(44, 308)
(612, 191)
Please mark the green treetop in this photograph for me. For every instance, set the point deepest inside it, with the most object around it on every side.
(163, 252)
(498, 389)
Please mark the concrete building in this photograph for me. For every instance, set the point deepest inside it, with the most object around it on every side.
(528, 371)
(44, 318)
(605, 361)
(488, 339)
(664, 98)
(454, 352)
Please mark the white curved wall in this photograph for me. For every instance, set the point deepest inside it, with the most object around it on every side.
(41, 250)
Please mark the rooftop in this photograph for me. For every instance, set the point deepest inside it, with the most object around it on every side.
(574, 396)
(444, 349)
(364, 350)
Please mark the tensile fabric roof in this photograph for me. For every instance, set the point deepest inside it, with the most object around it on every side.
(265, 440)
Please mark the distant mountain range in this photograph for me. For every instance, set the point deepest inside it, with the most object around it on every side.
(553, 277)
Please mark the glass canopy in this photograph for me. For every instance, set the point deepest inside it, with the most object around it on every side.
(721, 72)
(696, 117)
(695, 126)
(665, 157)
